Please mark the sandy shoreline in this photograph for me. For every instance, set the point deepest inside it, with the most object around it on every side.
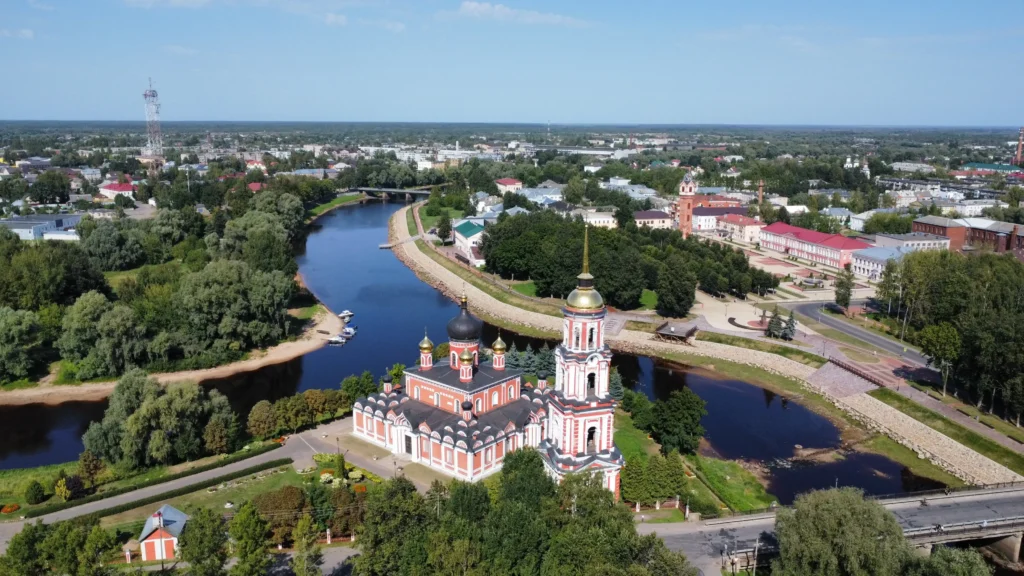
(309, 341)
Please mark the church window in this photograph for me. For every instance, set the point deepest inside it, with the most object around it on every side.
(494, 398)
(591, 384)
(576, 338)
(437, 399)
(479, 406)
(591, 338)
(448, 455)
(511, 391)
(416, 392)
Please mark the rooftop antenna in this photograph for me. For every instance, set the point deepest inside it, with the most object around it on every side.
(154, 140)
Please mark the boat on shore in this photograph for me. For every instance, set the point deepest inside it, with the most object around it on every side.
(339, 339)
(346, 314)
(348, 331)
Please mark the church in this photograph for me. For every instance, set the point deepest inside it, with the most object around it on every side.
(462, 414)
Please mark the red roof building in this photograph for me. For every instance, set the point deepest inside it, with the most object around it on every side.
(833, 250)
(115, 189)
(255, 186)
(741, 228)
(508, 185)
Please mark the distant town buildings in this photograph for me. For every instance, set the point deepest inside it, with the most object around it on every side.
(833, 250)
(913, 167)
(506, 185)
(740, 228)
(655, 219)
(912, 241)
(870, 262)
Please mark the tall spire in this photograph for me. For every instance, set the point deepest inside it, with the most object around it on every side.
(586, 250)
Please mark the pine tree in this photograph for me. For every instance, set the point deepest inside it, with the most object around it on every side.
(528, 360)
(546, 360)
(249, 533)
(615, 388)
(789, 332)
(676, 473)
(774, 325)
(634, 480)
(657, 478)
(512, 357)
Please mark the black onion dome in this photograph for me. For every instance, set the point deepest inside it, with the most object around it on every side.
(467, 405)
(464, 326)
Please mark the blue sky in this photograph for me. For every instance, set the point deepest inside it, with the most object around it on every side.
(905, 62)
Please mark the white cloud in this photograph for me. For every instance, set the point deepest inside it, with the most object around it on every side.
(502, 13)
(332, 19)
(21, 33)
(40, 6)
(178, 50)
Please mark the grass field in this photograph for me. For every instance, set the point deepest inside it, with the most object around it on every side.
(14, 482)
(791, 293)
(307, 312)
(936, 421)
(631, 441)
(784, 351)
(1000, 425)
(526, 288)
(649, 300)
(739, 489)
(410, 222)
(859, 355)
(19, 384)
(339, 201)
(431, 221)
(881, 444)
(495, 292)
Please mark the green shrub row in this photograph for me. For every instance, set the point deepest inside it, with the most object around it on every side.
(185, 489)
(58, 506)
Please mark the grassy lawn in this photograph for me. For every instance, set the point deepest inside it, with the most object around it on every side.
(830, 333)
(236, 492)
(305, 313)
(791, 293)
(739, 489)
(649, 300)
(859, 356)
(631, 441)
(19, 384)
(1000, 425)
(14, 482)
(493, 291)
(664, 516)
(784, 351)
(969, 438)
(339, 201)
(881, 444)
(526, 288)
(410, 221)
(114, 278)
(431, 221)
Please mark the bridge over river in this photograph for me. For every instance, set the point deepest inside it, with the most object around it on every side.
(403, 194)
(992, 516)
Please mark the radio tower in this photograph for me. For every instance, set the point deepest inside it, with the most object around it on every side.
(1019, 158)
(155, 142)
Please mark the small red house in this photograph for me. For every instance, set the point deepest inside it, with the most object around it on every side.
(159, 539)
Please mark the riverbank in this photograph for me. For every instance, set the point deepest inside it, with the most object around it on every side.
(757, 367)
(328, 207)
(310, 340)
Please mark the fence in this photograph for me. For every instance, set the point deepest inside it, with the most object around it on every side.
(858, 372)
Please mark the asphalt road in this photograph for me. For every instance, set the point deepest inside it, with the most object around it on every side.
(813, 310)
(704, 543)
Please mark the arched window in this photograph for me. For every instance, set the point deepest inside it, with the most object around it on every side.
(592, 440)
(592, 338)
(494, 399)
(576, 338)
(479, 406)
(455, 359)
(437, 399)
(591, 384)
(511, 391)
(416, 392)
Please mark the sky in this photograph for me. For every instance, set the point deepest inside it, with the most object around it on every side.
(813, 62)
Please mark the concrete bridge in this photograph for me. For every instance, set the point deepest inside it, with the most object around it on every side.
(404, 194)
(992, 517)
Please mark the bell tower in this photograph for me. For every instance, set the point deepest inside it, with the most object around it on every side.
(684, 205)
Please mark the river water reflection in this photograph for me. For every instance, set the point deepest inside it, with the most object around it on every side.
(344, 267)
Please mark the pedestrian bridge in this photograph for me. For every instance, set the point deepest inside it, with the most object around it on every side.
(419, 193)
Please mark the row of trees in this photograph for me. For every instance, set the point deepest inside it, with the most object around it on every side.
(548, 249)
(963, 311)
(526, 524)
(674, 422)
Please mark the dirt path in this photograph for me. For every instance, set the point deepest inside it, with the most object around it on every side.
(309, 341)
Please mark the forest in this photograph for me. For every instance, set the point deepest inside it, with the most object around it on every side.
(548, 249)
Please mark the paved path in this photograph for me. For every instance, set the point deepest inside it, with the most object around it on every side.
(704, 542)
(812, 310)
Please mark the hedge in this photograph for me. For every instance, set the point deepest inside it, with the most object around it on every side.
(238, 456)
(184, 490)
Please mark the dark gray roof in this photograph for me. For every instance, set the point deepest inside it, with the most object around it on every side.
(705, 211)
(173, 520)
(484, 375)
(464, 326)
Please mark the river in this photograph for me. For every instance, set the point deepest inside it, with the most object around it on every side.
(344, 267)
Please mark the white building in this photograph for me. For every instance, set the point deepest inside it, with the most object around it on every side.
(912, 241)
(972, 208)
(599, 219)
(913, 167)
(870, 262)
(468, 236)
(506, 185)
(655, 219)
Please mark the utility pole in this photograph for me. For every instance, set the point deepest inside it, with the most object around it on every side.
(757, 544)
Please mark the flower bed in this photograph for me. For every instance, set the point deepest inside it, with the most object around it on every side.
(10, 509)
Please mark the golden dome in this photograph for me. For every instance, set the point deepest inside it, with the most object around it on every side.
(585, 297)
(426, 345)
(499, 346)
(466, 357)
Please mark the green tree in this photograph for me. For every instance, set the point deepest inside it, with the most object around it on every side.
(838, 533)
(35, 493)
(675, 473)
(79, 327)
(676, 288)
(946, 561)
(249, 533)
(396, 516)
(775, 326)
(51, 187)
(89, 466)
(941, 344)
(307, 557)
(615, 386)
(789, 331)
(93, 555)
(20, 340)
(633, 482)
(262, 422)
(844, 287)
(24, 556)
(444, 226)
(657, 478)
(676, 424)
(204, 543)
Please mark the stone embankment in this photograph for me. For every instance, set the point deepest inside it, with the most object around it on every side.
(957, 459)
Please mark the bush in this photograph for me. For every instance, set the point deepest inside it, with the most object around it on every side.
(34, 493)
(57, 506)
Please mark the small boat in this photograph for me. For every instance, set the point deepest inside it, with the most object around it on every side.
(339, 339)
(348, 331)
(346, 314)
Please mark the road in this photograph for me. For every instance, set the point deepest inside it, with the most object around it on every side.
(813, 310)
(704, 542)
